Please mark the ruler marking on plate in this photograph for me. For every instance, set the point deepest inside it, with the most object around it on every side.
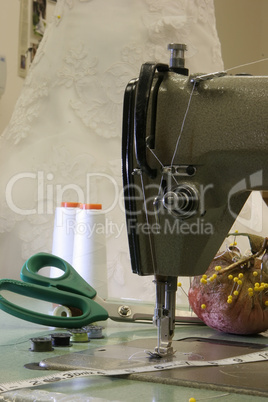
(68, 375)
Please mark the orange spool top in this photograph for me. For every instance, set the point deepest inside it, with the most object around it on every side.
(90, 206)
(69, 204)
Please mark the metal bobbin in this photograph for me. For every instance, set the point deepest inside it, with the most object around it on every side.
(79, 335)
(94, 331)
(41, 344)
(61, 339)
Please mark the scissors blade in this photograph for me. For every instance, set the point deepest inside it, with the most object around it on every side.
(140, 313)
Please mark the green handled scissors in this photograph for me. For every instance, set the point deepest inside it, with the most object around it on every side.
(70, 289)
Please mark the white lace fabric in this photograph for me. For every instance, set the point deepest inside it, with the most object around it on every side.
(64, 138)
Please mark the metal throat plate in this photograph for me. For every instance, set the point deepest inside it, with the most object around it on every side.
(234, 378)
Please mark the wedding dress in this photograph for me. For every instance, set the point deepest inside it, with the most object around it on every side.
(63, 142)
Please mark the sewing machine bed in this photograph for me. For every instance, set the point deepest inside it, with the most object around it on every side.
(246, 378)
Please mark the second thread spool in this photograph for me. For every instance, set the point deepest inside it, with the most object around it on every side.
(89, 250)
(63, 234)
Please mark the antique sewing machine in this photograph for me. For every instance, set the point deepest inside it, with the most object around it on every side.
(194, 147)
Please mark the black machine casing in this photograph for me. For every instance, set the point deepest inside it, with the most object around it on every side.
(192, 152)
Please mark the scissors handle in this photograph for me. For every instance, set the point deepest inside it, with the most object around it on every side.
(92, 311)
(70, 281)
(69, 289)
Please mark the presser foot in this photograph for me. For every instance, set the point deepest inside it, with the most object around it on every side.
(164, 338)
(163, 352)
(164, 316)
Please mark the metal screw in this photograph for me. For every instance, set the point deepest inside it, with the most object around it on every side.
(124, 311)
(137, 172)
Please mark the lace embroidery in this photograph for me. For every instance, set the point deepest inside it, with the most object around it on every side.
(89, 90)
(27, 109)
(101, 112)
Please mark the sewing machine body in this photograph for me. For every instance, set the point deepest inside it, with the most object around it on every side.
(193, 150)
(222, 155)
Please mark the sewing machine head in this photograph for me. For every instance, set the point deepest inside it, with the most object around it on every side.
(194, 147)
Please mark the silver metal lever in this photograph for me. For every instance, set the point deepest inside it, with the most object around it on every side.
(164, 317)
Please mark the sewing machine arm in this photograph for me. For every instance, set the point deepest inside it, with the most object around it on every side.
(193, 150)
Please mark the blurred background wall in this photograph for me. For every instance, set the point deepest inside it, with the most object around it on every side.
(242, 28)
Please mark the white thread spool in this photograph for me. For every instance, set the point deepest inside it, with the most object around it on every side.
(62, 311)
(89, 251)
(63, 234)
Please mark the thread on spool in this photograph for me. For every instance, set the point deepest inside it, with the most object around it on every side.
(94, 331)
(79, 237)
(62, 311)
(61, 340)
(79, 335)
(63, 233)
(89, 249)
(41, 344)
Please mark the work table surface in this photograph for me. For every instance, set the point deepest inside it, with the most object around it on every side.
(15, 353)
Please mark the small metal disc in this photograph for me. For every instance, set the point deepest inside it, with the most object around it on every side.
(34, 366)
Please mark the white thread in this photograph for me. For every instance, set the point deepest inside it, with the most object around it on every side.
(189, 102)
(183, 122)
(89, 249)
(63, 236)
(62, 311)
(247, 64)
(144, 352)
(156, 157)
(158, 160)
